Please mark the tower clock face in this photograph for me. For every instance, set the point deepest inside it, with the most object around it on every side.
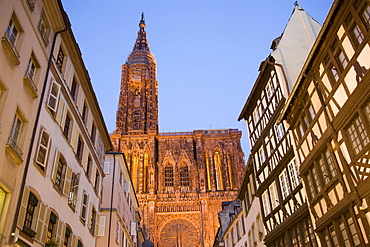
(179, 233)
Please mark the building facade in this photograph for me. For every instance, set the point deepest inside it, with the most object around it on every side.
(57, 115)
(328, 115)
(180, 178)
(241, 221)
(285, 212)
(119, 222)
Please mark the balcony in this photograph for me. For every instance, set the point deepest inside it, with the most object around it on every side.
(30, 84)
(14, 151)
(10, 49)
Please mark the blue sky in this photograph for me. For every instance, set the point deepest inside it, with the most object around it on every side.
(207, 53)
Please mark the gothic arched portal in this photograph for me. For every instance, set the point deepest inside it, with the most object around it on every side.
(179, 233)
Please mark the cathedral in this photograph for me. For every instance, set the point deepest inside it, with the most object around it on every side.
(180, 178)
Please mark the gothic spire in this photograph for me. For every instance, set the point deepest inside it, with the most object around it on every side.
(141, 43)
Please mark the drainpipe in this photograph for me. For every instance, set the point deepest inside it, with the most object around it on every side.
(27, 164)
(111, 196)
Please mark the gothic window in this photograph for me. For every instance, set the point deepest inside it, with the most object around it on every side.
(134, 171)
(184, 176)
(218, 172)
(168, 176)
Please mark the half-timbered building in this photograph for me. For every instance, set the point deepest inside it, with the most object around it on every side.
(328, 114)
(279, 188)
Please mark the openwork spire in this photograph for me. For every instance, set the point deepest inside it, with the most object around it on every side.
(141, 43)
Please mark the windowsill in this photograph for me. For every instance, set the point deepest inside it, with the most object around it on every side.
(14, 151)
(11, 50)
(31, 86)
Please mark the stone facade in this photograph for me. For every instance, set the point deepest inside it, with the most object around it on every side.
(180, 178)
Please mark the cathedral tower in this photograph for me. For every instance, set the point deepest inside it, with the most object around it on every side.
(138, 101)
(180, 178)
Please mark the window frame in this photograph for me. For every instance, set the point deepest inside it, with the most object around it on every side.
(44, 148)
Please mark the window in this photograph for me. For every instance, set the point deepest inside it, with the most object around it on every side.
(44, 28)
(51, 227)
(97, 181)
(3, 197)
(84, 113)
(283, 178)
(30, 75)
(266, 203)
(79, 244)
(74, 88)
(366, 15)
(30, 211)
(54, 96)
(67, 126)
(261, 155)
(42, 151)
(339, 55)
(184, 176)
(13, 139)
(85, 199)
(345, 230)
(279, 131)
(72, 198)
(80, 149)
(11, 38)
(274, 195)
(60, 173)
(168, 176)
(31, 69)
(93, 133)
(92, 220)
(294, 174)
(67, 237)
(89, 167)
(331, 69)
(357, 135)
(12, 33)
(60, 59)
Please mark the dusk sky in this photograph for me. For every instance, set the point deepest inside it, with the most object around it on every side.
(207, 52)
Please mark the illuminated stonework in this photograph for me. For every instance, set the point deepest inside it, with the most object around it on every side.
(180, 178)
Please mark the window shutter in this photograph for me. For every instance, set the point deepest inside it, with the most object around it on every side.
(97, 220)
(46, 222)
(106, 167)
(67, 181)
(59, 232)
(22, 212)
(101, 231)
(74, 240)
(133, 228)
(54, 96)
(55, 167)
(41, 221)
(127, 187)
